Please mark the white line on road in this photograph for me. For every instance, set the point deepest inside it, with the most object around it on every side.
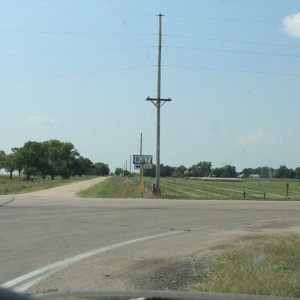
(45, 272)
(22, 283)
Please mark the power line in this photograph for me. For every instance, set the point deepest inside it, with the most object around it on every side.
(74, 51)
(231, 70)
(201, 18)
(232, 51)
(75, 74)
(145, 34)
(225, 40)
(146, 47)
(78, 9)
(224, 19)
(145, 67)
(76, 32)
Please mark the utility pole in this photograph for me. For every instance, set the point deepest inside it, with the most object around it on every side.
(158, 102)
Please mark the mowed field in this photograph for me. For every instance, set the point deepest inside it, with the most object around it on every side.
(180, 188)
(271, 189)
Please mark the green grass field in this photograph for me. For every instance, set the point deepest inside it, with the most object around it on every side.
(174, 188)
(254, 188)
(267, 268)
(18, 185)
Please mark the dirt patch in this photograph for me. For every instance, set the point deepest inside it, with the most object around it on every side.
(170, 274)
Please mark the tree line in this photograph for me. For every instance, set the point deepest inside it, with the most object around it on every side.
(49, 158)
(204, 169)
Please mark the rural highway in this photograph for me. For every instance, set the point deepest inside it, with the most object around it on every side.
(55, 241)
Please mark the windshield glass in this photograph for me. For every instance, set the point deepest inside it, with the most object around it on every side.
(150, 145)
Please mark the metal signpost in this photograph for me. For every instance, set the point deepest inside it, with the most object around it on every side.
(142, 162)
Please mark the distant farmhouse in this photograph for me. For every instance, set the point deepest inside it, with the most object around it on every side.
(254, 176)
(250, 176)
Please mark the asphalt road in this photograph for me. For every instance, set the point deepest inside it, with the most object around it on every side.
(54, 243)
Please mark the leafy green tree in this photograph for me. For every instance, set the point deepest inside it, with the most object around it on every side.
(82, 166)
(265, 172)
(33, 158)
(225, 172)
(60, 160)
(2, 159)
(297, 173)
(101, 169)
(166, 171)
(248, 171)
(52, 158)
(18, 162)
(282, 172)
(119, 171)
(217, 172)
(229, 171)
(179, 172)
(10, 164)
(202, 169)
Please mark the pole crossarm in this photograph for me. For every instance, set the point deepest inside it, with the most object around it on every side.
(158, 102)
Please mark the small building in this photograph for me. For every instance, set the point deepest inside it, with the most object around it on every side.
(254, 176)
(241, 176)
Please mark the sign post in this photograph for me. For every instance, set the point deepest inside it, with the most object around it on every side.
(142, 162)
(287, 186)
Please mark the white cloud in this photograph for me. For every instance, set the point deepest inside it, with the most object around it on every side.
(291, 24)
(41, 120)
(257, 138)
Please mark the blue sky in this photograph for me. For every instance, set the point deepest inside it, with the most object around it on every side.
(81, 70)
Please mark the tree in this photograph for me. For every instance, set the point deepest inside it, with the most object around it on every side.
(265, 172)
(166, 171)
(60, 159)
(248, 171)
(101, 169)
(229, 171)
(2, 159)
(119, 171)
(82, 166)
(282, 172)
(53, 158)
(33, 158)
(202, 169)
(17, 159)
(225, 172)
(10, 165)
(297, 173)
(217, 172)
(179, 172)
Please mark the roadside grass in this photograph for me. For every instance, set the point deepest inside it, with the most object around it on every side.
(269, 267)
(113, 187)
(19, 185)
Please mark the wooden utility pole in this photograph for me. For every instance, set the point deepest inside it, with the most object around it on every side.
(158, 102)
